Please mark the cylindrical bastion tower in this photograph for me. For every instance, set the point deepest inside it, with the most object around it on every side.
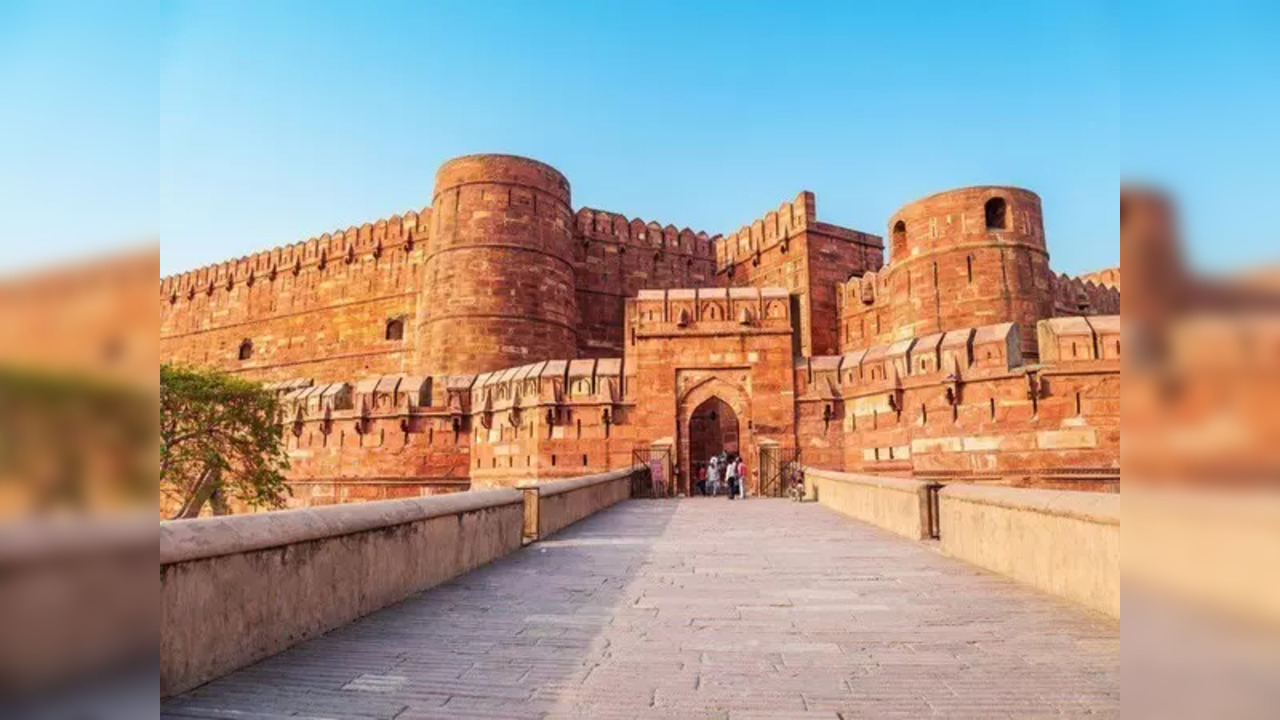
(969, 257)
(498, 280)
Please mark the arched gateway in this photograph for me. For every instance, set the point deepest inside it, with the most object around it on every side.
(714, 368)
(713, 428)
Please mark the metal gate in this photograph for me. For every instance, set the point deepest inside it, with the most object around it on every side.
(779, 470)
(656, 483)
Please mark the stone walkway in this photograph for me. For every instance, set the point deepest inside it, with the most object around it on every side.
(699, 608)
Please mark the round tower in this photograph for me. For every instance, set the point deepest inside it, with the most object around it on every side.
(969, 257)
(498, 278)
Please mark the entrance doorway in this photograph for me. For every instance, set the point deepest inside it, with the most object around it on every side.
(713, 427)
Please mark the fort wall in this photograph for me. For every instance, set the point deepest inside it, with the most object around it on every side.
(1091, 294)
(965, 405)
(498, 278)
(688, 347)
(376, 439)
(790, 248)
(551, 419)
(617, 257)
(962, 258)
(500, 336)
(319, 309)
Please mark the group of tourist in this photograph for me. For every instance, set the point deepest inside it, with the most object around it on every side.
(723, 472)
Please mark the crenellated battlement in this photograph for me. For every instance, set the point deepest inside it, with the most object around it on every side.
(710, 310)
(427, 342)
(935, 358)
(959, 355)
(356, 242)
(604, 226)
(1107, 277)
(774, 228)
(1081, 339)
(1084, 295)
(547, 383)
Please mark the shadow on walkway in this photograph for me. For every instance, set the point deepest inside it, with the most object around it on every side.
(482, 645)
(699, 608)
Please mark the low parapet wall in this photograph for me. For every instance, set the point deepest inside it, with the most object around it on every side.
(897, 505)
(237, 589)
(562, 503)
(1062, 542)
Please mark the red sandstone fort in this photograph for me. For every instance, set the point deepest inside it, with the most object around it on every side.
(500, 335)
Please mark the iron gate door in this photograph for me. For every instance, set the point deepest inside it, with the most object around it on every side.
(656, 483)
(779, 470)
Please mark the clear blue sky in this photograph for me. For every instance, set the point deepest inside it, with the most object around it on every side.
(226, 127)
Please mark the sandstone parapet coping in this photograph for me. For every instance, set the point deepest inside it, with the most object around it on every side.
(204, 538)
(1102, 508)
(1063, 543)
(559, 487)
(237, 589)
(895, 504)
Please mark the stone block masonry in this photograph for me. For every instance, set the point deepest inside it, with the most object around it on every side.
(500, 334)
(234, 590)
(665, 610)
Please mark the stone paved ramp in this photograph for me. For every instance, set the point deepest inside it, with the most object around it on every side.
(699, 608)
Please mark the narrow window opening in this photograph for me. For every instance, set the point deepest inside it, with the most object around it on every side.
(246, 349)
(997, 212)
(395, 329)
(993, 408)
(969, 261)
(584, 460)
(1079, 406)
(579, 429)
(553, 461)
(899, 239)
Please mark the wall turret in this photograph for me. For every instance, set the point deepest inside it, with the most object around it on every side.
(498, 280)
(973, 256)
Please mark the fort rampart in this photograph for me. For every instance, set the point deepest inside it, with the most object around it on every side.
(502, 334)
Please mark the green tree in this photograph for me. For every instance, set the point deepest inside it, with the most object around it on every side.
(221, 440)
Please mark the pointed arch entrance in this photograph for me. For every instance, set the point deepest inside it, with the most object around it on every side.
(713, 414)
(713, 428)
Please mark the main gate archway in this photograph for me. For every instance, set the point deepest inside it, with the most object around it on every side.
(713, 428)
(714, 415)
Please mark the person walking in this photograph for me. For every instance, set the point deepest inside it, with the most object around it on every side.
(713, 475)
(740, 471)
(731, 475)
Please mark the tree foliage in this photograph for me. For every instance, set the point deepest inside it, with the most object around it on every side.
(221, 440)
